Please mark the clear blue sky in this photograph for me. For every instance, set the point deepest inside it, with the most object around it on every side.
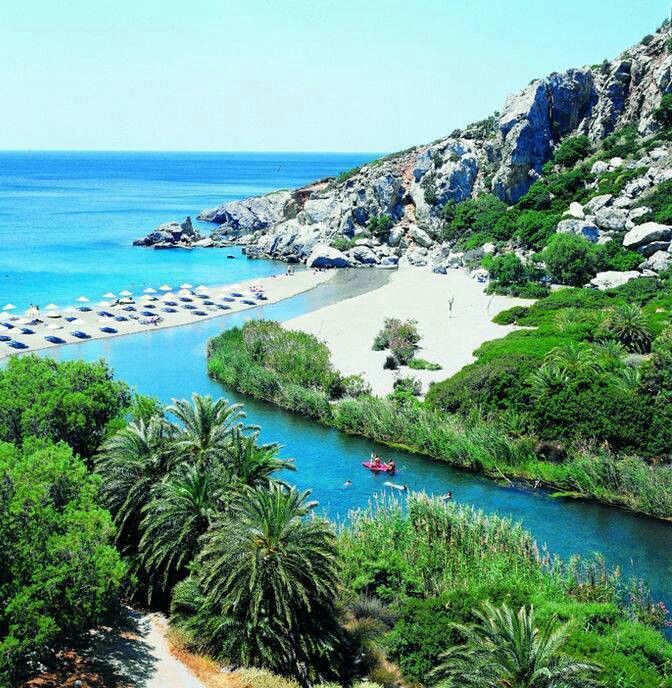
(357, 75)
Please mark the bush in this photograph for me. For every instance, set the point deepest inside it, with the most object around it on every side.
(496, 385)
(506, 269)
(60, 572)
(355, 386)
(380, 225)
(390, 363)
(401, 337)
(571, 150)
(660, 202)
(422, 364)
(74, 401)
(663, 113)
(511, 315)
(534, 227)
(613, 256)
(622, 143)
(410, 385)
(570, 259)
(484, 215)
(342, 243)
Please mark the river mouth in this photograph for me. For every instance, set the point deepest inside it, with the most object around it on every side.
(171, 364)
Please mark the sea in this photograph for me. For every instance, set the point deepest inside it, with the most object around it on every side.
(68, 219)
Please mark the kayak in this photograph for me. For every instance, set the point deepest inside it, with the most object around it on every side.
(383, 468)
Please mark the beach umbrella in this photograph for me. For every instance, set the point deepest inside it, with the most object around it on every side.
(51, 307)
(82, 299)
(103, 304)
(9, 307)
(165, 287)
(186, 285)
(150, 290)
(109, 295)
(125, 293)
(54, 315)
(70, 309)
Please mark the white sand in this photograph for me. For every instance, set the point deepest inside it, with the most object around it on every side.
(275, 289)
(349, 327)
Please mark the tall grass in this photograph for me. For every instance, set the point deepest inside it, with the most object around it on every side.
(248, 360)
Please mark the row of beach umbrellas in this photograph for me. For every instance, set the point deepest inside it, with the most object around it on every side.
(185, 288)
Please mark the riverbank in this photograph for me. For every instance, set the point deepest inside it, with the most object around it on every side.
(148, 312)
(449, 336)
(293, 370)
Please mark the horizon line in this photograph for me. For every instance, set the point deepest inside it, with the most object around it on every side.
(186, 150)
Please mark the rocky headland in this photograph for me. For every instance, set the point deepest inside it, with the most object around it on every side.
(389, 211)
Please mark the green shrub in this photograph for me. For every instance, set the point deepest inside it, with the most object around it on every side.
(73, 401)
(485, 215)
(614, 256)
(380, 225)
(663, 113)
(571, 150)
(660, 202)
(410, 385)
(342, 243)
(570, 259)
(506, 269)
(60, 573)
(422, 364)
(622, 143)
(534, 228)
(401, 337)
(511, 315)
(615, 181)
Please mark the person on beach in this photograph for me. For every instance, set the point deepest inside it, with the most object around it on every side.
(447, 497)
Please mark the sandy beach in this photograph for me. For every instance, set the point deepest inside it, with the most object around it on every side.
(145, 312)
(349, 327)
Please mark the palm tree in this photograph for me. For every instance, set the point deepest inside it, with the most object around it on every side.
(629, 326)
(273, 573)
(573, 359)
(178, 514)
(251, 464)
(206, 427)
(131, 462)
(507, 649)
(547, 379)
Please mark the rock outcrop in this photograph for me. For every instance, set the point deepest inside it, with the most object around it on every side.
(174, 235)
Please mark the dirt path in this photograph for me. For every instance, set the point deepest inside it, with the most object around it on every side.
(133, 654)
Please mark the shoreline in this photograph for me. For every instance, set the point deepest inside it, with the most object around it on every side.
(276, 288)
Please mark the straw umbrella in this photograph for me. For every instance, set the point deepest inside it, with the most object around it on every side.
(150, 290)
(51, 307)
(125, 293)
(9, 307)
(186, 285)
(82, 299)
(109, 295)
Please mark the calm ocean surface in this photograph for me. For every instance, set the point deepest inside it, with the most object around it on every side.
(66, 223)
(67, 220)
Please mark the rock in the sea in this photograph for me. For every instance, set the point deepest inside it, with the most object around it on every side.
(645, 234)
(613, 278)
(324, 256)
(583, 228)
(171, 234)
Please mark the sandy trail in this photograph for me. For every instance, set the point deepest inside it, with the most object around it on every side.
(349, 327)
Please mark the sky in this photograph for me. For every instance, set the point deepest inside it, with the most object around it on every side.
(290, 75)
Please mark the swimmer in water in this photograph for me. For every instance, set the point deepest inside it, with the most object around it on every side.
(347, 483)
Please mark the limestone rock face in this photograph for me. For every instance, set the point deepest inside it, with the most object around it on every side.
(503, 155)
(171, 234)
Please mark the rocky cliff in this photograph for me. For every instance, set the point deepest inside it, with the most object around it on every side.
(503, 154)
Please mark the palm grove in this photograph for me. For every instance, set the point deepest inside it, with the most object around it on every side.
(109, 497)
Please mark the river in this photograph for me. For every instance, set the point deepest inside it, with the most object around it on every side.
(171, 364)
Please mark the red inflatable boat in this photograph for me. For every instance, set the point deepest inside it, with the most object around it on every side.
(381, 468)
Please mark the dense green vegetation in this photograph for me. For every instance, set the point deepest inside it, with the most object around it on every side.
(579, 375)
(511, 435)
(60, 573)
(432, 566)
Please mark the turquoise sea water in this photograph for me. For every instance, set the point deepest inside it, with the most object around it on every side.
(66, 221)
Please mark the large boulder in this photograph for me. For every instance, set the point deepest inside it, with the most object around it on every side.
(419, 236)
(597, 203)
(171, 233)
(613, 278)
(575, 212)
(611, 219)
(324, 256)
(646, 234)
(583, 228)
(250, 214)
(363, 255)
(658, 261)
